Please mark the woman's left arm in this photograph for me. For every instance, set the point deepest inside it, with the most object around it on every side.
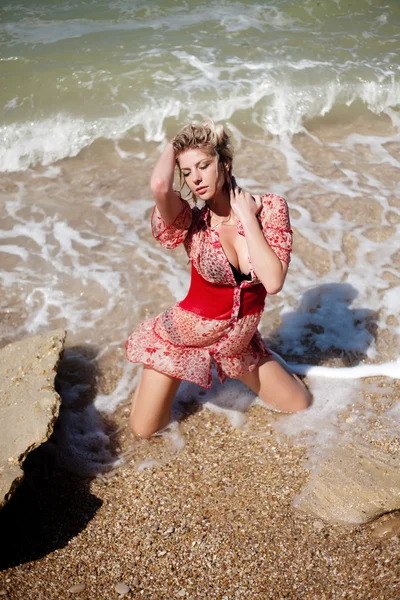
(270, 270)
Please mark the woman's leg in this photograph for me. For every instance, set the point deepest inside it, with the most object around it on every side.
(277, 387)
(152, 402)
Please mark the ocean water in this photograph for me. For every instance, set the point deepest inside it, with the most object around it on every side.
(76, 72)
(90, 92)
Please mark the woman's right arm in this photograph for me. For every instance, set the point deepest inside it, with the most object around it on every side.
(167, 200)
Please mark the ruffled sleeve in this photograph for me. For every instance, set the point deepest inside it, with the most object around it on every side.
(170, 236)
(275, 223)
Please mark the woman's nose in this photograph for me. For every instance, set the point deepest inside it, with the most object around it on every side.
(196, 176)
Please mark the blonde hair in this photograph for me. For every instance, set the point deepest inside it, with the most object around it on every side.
(207, 136)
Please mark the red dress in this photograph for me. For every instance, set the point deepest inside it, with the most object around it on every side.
(218, 319)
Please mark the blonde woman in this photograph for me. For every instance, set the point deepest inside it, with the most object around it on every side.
(239, 247)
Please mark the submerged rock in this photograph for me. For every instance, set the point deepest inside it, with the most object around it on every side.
(387, 528)
(356, 483)
(29, 404)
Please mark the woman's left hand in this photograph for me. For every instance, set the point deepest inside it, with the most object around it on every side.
(243, 204)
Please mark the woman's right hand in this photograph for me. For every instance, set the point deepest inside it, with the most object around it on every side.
(244, 205)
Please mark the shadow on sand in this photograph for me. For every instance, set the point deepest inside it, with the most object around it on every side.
(53, 504)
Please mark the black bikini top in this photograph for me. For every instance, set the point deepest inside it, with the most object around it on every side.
(239, 277)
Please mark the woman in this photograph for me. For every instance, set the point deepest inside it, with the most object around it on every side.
(239, 247)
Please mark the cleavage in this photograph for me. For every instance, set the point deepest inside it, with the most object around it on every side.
(235, 248)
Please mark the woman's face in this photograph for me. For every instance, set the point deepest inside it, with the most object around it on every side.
(201, 173)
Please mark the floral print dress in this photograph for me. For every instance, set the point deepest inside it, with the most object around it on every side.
(219, 323)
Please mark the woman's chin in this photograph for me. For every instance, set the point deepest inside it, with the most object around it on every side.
(204, 197)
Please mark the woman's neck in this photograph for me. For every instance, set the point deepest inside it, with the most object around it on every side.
(220, 205)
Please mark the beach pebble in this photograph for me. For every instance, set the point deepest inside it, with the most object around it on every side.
(122, 589)
(387, 529)
(77, 588)
(318, 525)
(181, 593)
(169, 530)
(3, 592)
(147, 543)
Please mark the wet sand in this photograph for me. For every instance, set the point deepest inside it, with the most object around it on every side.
(212, 520)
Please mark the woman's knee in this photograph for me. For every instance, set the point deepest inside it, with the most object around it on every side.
(142, 430)
(300, 401)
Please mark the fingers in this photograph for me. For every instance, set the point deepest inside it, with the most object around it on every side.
(236, 192)
(234, 185)
(258, 201)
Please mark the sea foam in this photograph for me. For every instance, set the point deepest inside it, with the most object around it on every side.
(281, 110)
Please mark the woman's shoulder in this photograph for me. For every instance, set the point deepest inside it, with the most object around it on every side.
(274, 212)
(273, 200)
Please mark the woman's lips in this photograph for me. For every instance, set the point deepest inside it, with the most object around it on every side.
(201, 190)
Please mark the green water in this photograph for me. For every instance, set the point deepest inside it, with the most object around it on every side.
(106, 68)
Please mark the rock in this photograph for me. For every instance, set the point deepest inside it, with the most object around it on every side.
(122, 589)
(77, 589)
(388, 528)
(318, 526)
(29, 404)
(356, 483)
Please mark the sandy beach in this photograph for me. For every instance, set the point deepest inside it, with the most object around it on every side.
(214, 519)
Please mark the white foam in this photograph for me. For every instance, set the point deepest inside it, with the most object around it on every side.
(128, 381)
(389, 369)
(316, 426)
(32, 230)
(11, 103)
(232, 399)
(284, 109)
(394, 413)
(49, 140)
(16, 250)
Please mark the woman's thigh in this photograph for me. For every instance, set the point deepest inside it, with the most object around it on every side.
(277, 387)
(152, 402)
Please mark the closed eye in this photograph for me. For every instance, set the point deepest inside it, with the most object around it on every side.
(203, 167)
